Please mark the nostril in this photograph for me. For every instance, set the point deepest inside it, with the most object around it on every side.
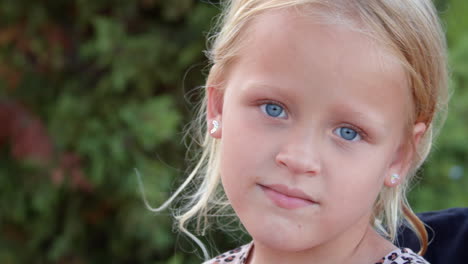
(280, 160)
(298, 163)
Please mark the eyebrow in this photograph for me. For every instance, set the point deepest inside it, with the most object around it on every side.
(346, 109)
(376, 120)
(261, 87)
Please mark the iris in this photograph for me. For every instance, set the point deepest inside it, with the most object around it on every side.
(348, 133)
(273, 110)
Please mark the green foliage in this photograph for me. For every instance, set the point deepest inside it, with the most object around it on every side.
(443, 179)
(102, 82)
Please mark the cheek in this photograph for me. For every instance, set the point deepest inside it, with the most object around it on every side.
(239, 150)
(245, 141)
(357, 180)
(247, 154)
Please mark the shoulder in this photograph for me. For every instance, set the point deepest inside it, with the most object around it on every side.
(402, 256)
(235, 256)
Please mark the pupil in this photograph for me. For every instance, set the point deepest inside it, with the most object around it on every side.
(348, 133)
(273, 110)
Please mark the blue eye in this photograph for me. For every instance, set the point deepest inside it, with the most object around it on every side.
(273, 110)
(347, 133)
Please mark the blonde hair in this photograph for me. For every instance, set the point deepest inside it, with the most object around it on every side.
(409, 29)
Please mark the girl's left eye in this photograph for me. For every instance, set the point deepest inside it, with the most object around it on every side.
(347, 133)
(274, 110)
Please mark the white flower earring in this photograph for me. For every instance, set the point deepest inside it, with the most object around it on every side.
(215, 126)
(394, 178)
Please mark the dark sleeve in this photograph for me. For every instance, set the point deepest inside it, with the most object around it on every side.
(448, 236)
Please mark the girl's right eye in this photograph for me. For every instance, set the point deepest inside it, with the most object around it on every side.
(273, 110)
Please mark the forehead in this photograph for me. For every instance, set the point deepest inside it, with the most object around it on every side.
(316, 37)
(301, 53)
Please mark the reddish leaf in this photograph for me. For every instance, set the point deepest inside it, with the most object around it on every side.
(25, 133)
(6, 119)
(9, 34)
(10, 75)
(28, 138)
(56, 36)
(70, 165)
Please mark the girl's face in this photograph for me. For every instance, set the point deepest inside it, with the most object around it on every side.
(312, 120)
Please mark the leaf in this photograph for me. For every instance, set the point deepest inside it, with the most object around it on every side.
(152, 122)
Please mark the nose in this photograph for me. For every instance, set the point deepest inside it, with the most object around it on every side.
(300, 156)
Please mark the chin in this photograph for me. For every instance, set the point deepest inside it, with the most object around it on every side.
(285, 240)
(287, 245)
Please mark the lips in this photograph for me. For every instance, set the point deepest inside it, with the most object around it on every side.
(287, 198)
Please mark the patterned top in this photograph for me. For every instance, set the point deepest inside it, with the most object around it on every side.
(397, 256)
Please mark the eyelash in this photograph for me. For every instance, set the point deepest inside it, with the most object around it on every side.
(359, 131)
(265, 102)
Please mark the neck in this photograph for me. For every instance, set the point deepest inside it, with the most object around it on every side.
(362, 245)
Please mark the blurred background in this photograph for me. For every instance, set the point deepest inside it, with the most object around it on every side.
(90, 90)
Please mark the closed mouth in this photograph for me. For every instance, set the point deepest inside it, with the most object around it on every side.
(288, 198)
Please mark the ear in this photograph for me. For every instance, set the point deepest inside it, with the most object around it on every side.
(404, 156)
(215, 96)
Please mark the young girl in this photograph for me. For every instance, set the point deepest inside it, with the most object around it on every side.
(317, 115)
